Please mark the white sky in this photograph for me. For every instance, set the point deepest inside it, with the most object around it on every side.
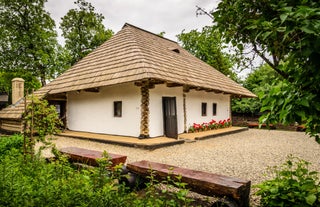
(170, 16)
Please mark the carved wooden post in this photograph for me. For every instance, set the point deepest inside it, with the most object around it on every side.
(186, 89)
(184, 113)
(230, 109)
(144, 123)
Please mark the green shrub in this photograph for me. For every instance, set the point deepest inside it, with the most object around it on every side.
(293, 185)
(165, 193)
(36, 182)
(42, 119)
(8, 143)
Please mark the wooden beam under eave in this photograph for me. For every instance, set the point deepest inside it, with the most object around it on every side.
(186, 88)
(149, 83)
(93, 90)
(199, 89)
(156, 81)
(209, 90)
(170, 85)
(216, 91)
(237, 96)
(56, 97)
(138, 83)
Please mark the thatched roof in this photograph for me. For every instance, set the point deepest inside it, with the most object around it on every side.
(135, 55)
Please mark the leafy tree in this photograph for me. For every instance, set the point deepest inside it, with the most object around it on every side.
(259, 81)
(31, 82)
(61, 60)
(208, 46)
(83, 30)
(28, 39)
(286, 34)
(262, 77)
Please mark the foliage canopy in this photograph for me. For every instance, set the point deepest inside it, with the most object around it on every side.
(286, 34)
(208, 46)
(260, 81)
(28, 39)
(83, 30)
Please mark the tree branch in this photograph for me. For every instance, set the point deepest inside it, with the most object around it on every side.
(201, 11)
(272, 65)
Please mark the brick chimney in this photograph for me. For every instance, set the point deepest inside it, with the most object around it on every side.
(17, 89)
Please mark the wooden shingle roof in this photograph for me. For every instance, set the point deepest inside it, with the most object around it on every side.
(15, 111)
(134, 54)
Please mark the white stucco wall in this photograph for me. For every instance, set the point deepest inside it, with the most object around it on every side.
(193, 105)
(156, 112)
(93, 112)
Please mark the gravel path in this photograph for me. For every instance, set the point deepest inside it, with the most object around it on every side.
(245, 155)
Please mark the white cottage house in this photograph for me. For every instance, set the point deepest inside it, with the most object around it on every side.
(141, 85)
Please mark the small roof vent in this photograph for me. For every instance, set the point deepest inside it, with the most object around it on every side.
(174, 49)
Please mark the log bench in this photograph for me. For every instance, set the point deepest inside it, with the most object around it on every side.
(90, 157)
(205, 183)
(301, 128)
(256, 125)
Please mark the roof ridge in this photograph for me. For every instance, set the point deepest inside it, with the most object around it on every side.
(130, 25)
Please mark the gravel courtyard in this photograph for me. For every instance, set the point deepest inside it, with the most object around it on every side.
(245, 154)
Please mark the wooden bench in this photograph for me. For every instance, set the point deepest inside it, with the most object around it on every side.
(201, 182)
(257, 125)
(301, 128)
(90, 157)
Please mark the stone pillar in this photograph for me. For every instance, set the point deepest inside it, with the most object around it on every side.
(144, 122)
(17, 89)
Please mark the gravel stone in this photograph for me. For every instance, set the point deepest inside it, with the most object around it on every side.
(244, 155)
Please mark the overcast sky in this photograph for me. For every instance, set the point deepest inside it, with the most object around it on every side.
(170, 16)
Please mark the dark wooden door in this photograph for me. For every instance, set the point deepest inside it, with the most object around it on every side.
(170, 117)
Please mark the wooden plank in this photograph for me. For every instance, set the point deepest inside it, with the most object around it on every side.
(301, 128)
(202, 182)
(255, 124)
(89, 157)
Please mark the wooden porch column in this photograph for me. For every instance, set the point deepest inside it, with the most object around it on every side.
(144, 122)
(186, 89)
(184, 114)
(230, 108)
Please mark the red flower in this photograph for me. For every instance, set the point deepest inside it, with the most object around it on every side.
(212, 122)
(197, 126)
